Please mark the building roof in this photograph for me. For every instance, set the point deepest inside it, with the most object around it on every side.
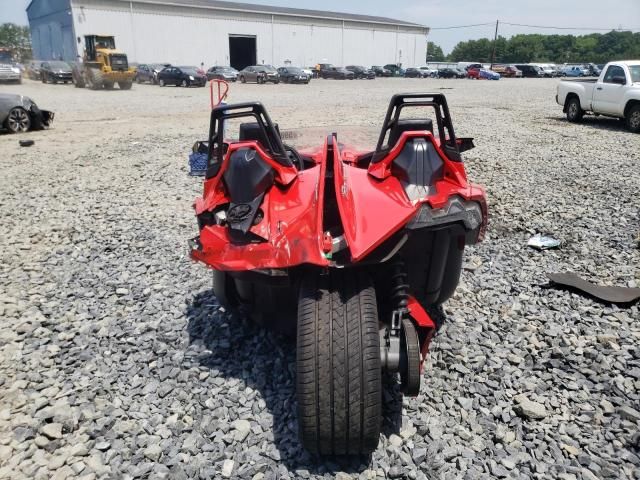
(296, 12)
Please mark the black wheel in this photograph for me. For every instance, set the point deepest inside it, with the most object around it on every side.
(18, 120)
(574, 110)
(184, 83)
(339, 385)
(108, 85)
(161, 82)
(125, 85)
(243, 80)
(409, 359)
(632, 119)
(224, 289)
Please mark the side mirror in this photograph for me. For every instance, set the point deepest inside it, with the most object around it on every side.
(465, 143)
(620, 80)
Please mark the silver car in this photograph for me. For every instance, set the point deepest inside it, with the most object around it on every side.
(10, 73)
(21, 114)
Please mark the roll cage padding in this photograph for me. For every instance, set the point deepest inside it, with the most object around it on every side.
(445, 128)
(269, 133)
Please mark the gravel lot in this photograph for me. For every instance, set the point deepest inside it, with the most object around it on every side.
(116, 362)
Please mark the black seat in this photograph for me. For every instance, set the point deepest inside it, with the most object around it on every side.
(252, 131)
(408, 125)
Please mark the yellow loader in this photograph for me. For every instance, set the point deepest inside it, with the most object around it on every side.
(102, 65)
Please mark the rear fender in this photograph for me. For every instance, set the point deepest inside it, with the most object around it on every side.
(380, 206)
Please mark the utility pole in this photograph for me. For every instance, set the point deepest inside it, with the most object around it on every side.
(495, 39)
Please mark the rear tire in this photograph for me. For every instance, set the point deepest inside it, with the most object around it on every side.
(339, 386)
(574, 110)
(632, 119)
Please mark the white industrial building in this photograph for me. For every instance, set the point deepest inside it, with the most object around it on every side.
(224, 33)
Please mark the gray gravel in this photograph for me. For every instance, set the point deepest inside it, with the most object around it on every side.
(117, 362)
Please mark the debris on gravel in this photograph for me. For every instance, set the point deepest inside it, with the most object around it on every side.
(116, 357)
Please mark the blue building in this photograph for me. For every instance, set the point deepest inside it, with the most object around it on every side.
(52, 33)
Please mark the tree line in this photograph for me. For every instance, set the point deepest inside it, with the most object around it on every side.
(17, 38)
(526, 48)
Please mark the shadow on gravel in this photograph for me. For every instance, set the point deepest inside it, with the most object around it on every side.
(601, 123)
(234, 348)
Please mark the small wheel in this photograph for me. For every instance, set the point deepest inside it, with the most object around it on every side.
(161, 82)
(339, 380)
(184, 83)
(632, 120)
(409, 359)
(574, 110)
(243, 80)
(18, 120)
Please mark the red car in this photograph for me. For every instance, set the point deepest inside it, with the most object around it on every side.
(357, 248)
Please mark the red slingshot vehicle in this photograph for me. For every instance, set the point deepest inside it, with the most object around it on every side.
(353, 247)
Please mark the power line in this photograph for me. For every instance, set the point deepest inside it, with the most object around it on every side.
(565, 28)
(550, 27)
(461, 26)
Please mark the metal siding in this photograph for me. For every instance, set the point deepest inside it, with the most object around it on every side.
(182, 35)
(50, 24)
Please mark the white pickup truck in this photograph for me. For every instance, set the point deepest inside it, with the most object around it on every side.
(616, 93)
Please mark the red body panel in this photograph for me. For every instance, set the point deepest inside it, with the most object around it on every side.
(292, 226)
(381, 207)
(292, 220)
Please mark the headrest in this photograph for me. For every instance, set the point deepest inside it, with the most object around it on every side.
(252, 131)
(408, 125)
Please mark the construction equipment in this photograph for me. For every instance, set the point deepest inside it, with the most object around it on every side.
(102, 65)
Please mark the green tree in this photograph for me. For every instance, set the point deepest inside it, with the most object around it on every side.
(594, 47)
(17, 38)
(434, 53)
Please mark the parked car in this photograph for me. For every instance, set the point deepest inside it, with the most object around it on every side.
(413, 73)
(32, 70)
(228, 74)
(338, 73)
(259, 74)
(396, 71)
(530, 71)
(573, 71)
(381, 71)
(451, 73)
(507, 71)
(429, 72)
(482, 74)
(293, 75)
(548, 72)
(149, 72)
(181, 76)
(593, 69)
(361, 72)
(616, 93)
(309, 71)
(19, 113)
(55, 71)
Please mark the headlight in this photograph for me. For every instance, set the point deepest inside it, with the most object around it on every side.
(15, 70)
(190, 77)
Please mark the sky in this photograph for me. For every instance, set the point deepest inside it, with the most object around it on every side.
(586, 15)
